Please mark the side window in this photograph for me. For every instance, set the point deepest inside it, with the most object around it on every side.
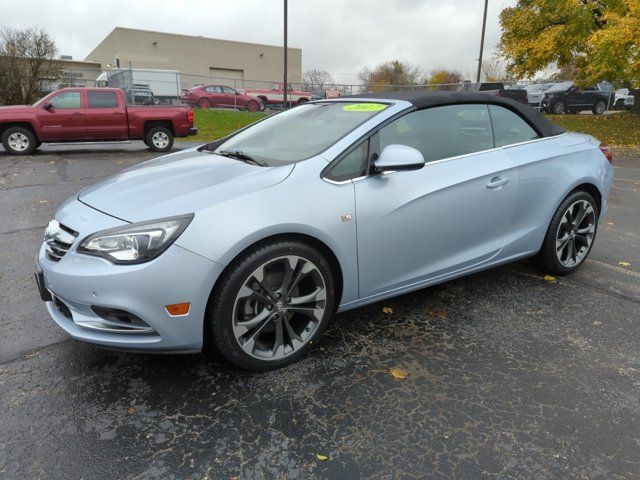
(509, 127)
(351, 165)
(213, 89)
(228, 91)
(441, 132)
(102, 99)
(66, 100)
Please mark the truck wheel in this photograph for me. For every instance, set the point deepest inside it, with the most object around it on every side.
(19, 141)
(252, 106)
(159, 139)
(600, 107)
(263, 106)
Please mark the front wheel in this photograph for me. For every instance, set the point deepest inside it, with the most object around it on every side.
(558, 107)
(600, 107)
(271, 304)
(159, 139)
(570, 235)
(19, 141)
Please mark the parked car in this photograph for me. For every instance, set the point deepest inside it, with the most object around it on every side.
(498, 88)
(221, 96)
(91, 115)
(535, 92)
(624, 100)
(275, 95)
(249, 244)
(597, 98)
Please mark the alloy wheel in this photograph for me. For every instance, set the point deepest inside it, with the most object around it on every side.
(575, 233)
(601, 107)
(279, 307)
(18, 142)
(160, 140)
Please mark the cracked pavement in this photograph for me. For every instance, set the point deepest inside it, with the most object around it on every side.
(508, 375)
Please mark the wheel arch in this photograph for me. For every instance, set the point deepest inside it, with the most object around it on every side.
(149, 124)
(592, 190)
(27, 125)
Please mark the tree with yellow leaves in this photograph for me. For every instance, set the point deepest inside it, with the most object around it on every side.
(601, 38)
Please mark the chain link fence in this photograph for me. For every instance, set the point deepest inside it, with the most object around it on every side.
(172, 87)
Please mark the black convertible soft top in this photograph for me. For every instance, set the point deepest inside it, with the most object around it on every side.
(426, 99)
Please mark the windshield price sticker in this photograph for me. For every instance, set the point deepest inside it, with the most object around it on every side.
(364, 107)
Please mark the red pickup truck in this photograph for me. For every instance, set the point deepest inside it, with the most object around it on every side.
(275, 96)
(91, 115)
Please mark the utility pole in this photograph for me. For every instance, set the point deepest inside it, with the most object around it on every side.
(285, 84)
(484, 26)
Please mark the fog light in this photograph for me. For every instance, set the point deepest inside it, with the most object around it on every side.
(178, 309)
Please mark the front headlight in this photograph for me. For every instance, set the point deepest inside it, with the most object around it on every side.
(136, 242)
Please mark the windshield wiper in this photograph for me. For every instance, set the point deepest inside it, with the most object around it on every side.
(237, 154)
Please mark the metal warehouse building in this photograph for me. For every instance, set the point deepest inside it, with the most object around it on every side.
(199, 59)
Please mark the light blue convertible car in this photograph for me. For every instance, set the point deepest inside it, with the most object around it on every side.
(249, 244)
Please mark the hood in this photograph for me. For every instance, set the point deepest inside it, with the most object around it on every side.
(179, 183)
(13, 108)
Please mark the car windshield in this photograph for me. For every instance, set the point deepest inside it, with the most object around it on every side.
(299, 133)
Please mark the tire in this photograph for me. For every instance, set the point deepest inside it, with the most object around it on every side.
(19, 141)
(302, 100)
(204, 103)
(159, 139)
(619, 104)
(263, 105)
(558, 108)
(252, 106)
(560, 232)
(235, 303)
(599, 108)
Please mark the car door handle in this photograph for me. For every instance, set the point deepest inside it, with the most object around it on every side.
(76, 113)
(496, 182)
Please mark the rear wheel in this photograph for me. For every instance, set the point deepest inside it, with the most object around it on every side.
(204, 103)
(271, 304)
(600, 107)
(19, 141)
(570, 235)
(159, 139)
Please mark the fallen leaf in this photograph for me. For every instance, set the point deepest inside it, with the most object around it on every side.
(43, 201)
(437, 314)
(550, 279)
(622, 263)
(398, 373)
(131, 410)
(387, 310)
(610, 223)
(321, 457)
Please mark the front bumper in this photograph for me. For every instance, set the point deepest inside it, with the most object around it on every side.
(79, 282)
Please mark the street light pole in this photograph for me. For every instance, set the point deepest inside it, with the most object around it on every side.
(484, 26)
(285, 85)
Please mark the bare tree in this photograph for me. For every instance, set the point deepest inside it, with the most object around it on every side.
(392, 75)
(27, 61)
(317, 79)
(493, 70)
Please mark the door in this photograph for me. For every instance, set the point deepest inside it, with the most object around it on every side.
(229, 97)
(106, 119)
(452, 214)
(214, 94)
(65, 119)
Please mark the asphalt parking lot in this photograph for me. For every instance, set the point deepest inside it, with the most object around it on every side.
(500, 375)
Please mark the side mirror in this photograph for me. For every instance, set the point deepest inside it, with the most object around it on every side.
(396, 158)
(47, 105)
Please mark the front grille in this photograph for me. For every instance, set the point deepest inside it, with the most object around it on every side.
(58, 239)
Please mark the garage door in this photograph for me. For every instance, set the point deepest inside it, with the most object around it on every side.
(227, 76)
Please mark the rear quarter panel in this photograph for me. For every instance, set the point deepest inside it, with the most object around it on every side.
(549, 169)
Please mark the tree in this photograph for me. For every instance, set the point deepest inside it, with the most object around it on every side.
(443, 79)
(600, 38)
(27, 59)
(494, 70)
(317, 79)
(389, 76)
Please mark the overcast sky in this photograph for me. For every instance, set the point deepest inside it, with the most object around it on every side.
(341, 36)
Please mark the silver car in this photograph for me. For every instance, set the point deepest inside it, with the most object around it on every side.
(249, 244)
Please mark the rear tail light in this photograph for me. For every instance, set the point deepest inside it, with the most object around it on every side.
(190, 116)
(607, 153)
